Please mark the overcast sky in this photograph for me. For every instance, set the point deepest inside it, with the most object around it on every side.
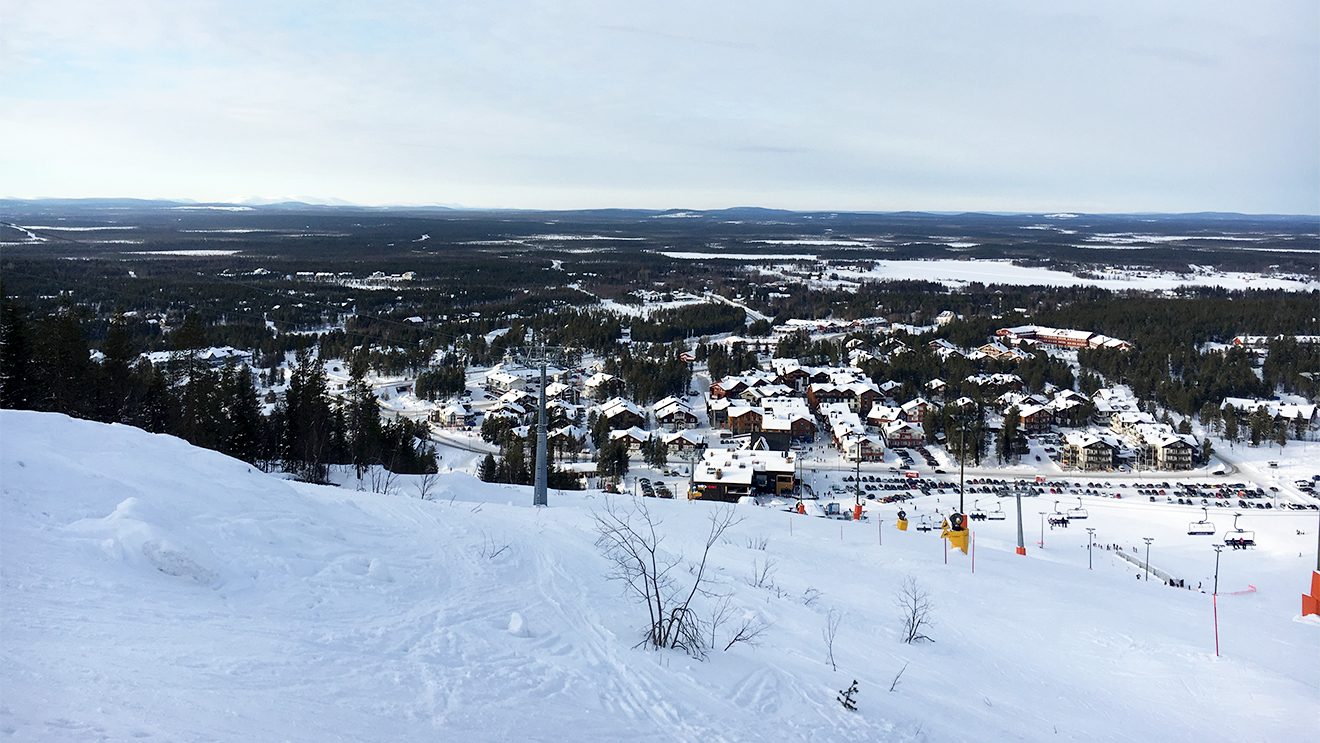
(869, 105)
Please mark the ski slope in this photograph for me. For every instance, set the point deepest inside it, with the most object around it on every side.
(150, 590)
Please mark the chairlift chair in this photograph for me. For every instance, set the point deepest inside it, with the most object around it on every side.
(1079, 512)
(1239, 538)
(1202, 528)
(976, 513)
(1057, 517)
(997, 514)
(923, 523)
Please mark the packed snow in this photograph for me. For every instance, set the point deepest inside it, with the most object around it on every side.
(152, 590)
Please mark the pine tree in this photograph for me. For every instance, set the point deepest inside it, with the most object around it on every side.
(1007, 434)
(64, 366)
(243, 420)
(362, 420)
(308, 420)
(487, 471)
(116, 384)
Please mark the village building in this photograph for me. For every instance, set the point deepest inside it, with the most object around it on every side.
(1088, 452)
(679, 442)
(1034, 418)
(632, 437)
(674, 414)
(727, 475)
(562, 391)
(903, 434)
(1277, 410)
(790, 414)
(601, 386)
(620, 413)
(452, 415)
(744, 418)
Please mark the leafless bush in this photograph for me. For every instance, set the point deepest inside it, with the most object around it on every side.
(748, 629)
(810, 597)
(627, 535)
(490, 549)
(425, 485)
(382, 480)
(915, 609)
(763, 573)
(894, 684)
(758, 543)
(828, 634)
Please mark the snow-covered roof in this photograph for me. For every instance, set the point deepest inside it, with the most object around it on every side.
(632, 432)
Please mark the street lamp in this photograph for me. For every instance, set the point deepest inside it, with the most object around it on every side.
(1090, 542)
(1218, 548)
(1148, 540)
(857, 483)
(1041, 543)
(962, 459)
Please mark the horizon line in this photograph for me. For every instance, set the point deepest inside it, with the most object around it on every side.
(335, 203)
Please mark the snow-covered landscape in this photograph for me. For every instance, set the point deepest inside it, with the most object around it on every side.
(156, 591)
(621, 372)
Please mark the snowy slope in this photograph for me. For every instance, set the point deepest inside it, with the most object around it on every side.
(154, 591)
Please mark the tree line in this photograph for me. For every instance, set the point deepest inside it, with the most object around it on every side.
(47, 364)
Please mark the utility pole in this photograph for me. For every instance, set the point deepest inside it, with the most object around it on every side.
(1042, 530)
(1148, 540)
(1090, 542)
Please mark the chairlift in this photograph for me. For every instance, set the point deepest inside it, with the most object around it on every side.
(976, 513)
(1202, 528)
(1079, 512)
(1057, 517)
(923, 523)
(997, 514)
(1239, 538)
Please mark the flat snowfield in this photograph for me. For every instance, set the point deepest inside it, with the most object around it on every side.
(150, 590)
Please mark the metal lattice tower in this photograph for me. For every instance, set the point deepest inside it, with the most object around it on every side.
(540, 356)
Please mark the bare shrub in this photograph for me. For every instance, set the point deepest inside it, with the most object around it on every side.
(894, 684)
(425, 485)
(763, 573)
(491, 549)
(915, 609)
(382, 480)
(627, 535)
(829, 633)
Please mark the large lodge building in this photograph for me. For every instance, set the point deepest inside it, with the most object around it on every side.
(1061, 337)
(727, 475)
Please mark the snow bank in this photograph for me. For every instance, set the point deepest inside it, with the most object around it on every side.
(154, 590)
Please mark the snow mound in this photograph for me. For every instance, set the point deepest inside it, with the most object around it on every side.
(517, 626)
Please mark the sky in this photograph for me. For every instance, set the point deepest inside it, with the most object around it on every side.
(1126, 105)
